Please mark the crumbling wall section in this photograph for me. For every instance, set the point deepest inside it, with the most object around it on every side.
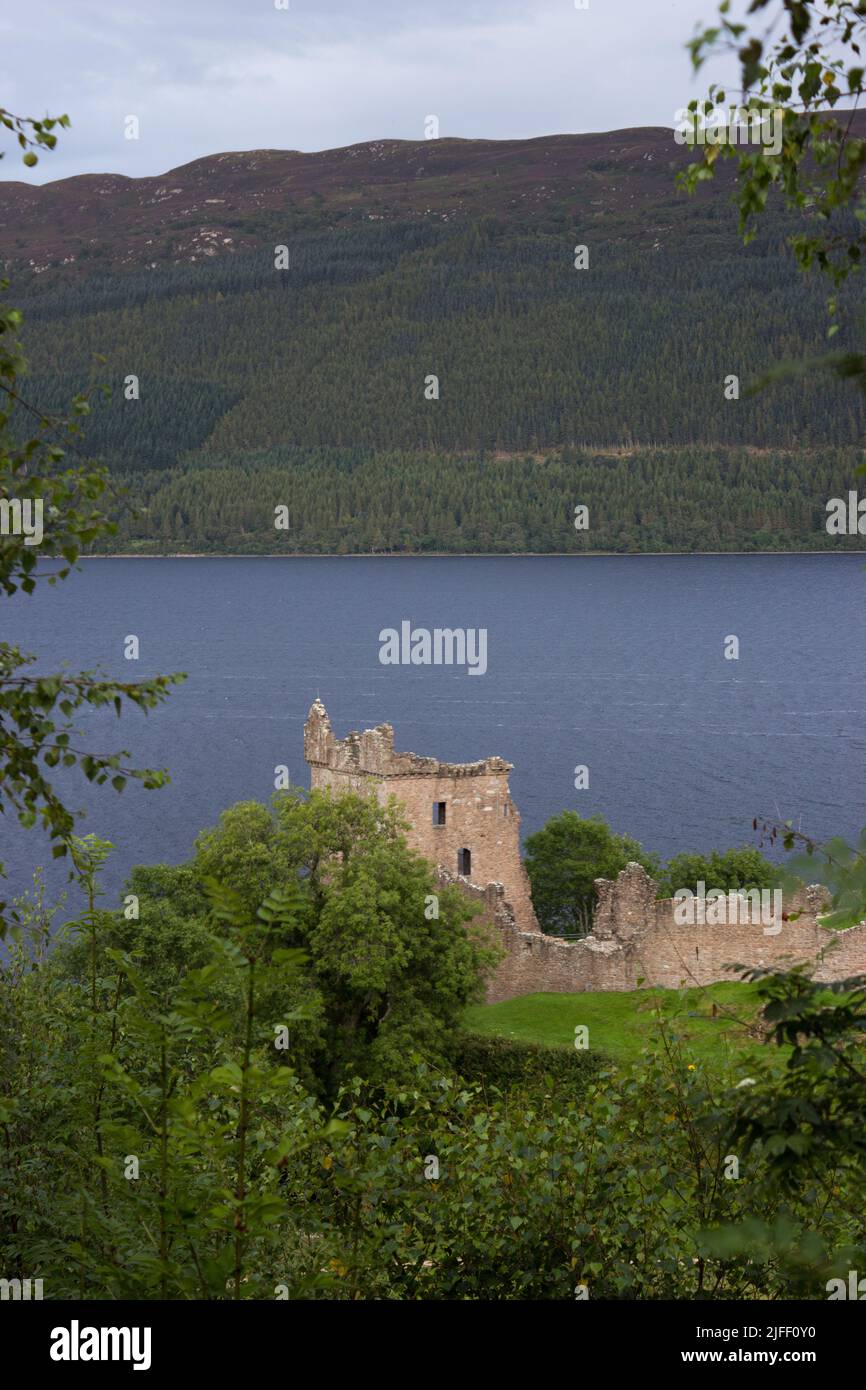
(637, 942)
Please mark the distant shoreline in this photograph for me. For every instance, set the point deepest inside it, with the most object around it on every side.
(460, 554)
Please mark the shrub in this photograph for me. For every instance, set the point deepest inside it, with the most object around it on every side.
(504, 1063)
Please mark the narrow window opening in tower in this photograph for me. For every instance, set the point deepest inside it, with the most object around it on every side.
(464, 863)
(438, 812)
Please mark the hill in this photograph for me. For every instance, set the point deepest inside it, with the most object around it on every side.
(229, 203)
(423, 366)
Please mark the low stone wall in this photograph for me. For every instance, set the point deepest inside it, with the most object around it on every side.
(636, 941)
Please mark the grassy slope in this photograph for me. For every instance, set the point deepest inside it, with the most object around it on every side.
(625, 1025)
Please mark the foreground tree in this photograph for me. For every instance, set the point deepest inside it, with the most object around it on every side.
(801, 64)
(391, 959)
(49, 511)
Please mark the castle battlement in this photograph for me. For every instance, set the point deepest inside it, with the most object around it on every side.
(372, 753)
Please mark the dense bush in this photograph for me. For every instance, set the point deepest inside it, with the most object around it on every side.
(506, 1063)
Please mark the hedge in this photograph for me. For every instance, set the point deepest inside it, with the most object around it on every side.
(507, 1062)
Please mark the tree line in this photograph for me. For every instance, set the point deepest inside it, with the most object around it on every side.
(356, 500)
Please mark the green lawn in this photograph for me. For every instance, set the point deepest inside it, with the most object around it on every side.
(625, 1025)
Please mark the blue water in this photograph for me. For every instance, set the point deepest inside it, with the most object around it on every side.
(612, 662)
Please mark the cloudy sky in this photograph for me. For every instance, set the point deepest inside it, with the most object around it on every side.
(205, 76)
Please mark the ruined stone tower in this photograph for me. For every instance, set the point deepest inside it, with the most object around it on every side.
(461, 815)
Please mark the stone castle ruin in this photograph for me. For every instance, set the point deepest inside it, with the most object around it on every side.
(463, 820)
(461, 815)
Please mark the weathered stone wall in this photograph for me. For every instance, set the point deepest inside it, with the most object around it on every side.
(636, 941)
(479, 813)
